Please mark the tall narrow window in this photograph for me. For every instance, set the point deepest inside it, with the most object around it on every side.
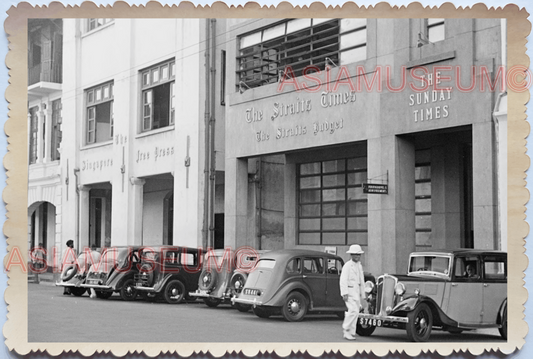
(333, 209)
(99, 102)
(158, 96)
(423, 198)
(33, 135)
(56, 130)
(435, 30)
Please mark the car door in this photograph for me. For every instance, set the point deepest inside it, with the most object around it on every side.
(313, 274)
(333, 294)
(494, 286)
(466, 291)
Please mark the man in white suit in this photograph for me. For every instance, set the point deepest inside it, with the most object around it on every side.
(352, 283)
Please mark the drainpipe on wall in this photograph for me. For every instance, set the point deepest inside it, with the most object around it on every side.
(205, 224)
(212, 153)
(77, 212)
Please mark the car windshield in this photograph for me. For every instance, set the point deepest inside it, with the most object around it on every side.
(430, 264)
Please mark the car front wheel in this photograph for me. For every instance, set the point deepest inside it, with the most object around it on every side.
(364, 330)
(295, 307)
(420, 323)
(261, 312)
(78, 292)
(128, 291)
(212, 302)
(174, 292)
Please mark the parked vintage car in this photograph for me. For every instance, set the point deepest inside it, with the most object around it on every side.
(168, 271)
(223, 275)
(451, 290)
(74, 274)
(295, 282)
(115, 273)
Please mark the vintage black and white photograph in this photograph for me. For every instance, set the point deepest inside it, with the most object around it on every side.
(298, 179)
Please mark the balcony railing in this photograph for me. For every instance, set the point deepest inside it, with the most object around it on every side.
(38, 73)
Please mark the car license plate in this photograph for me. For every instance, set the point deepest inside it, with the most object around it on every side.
(369, 322)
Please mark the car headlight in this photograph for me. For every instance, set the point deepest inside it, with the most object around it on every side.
(399, 289)
(369, 286)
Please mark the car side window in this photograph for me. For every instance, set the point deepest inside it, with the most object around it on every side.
(294, 266)
(494, 268)
(188, 259)
(466, 268)
(313, 265)
(334, 266)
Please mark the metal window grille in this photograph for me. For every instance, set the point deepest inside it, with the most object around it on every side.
(423, 199)
(332, 208)
(299, 43)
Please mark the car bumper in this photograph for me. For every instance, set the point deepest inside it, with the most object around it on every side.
(204, 294)
(253, 302)
(146, 289)
(96, 286)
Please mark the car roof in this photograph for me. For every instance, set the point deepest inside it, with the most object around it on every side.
(295, 252)
(465, 251)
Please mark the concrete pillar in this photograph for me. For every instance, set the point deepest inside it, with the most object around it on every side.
(484, 179)
(373, 260)
(290, 209)
(29, 136)
(135, 226)
(83, 236)
(236, 198)
(40, 129)
(447, 196)
(47, 134)
(398, 207)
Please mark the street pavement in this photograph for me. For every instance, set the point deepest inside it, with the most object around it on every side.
(53, 317)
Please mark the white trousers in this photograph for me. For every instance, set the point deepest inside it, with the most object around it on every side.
(350, 317)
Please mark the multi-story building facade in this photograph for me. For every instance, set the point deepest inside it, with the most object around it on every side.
(45, 41)
(281, 133)
(352, 113)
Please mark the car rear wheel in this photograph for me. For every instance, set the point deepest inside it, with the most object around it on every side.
(503, 329)
(103, 295)
(128, 291)
(212, 302)
(295, 307)
(420, 323)
(77, 291)
(243, 307)
(174, 291)
(261, 312)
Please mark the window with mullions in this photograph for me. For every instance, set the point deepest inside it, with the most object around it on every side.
(332, 208)
(298, 43)
(435, 29)
(158, 96)
(95, 23)
(34, 123)
(423, 198)
(99, 101)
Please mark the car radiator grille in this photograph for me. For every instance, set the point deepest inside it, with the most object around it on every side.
(385, 294)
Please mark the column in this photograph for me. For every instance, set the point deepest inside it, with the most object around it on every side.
(135, 224)
(47, 155)
(40, 134)
(83, 220)
(236, 198)
(29, 136)
(484, 184)
(290, 221)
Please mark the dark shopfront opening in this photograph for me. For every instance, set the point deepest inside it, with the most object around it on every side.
(444, 189)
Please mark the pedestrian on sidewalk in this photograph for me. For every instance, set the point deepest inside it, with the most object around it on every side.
(68, 252)
(352, 285)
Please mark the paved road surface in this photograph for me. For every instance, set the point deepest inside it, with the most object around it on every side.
(51, 314)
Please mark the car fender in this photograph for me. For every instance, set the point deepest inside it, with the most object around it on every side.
(501, 310)
(409, 304)
(281, 293)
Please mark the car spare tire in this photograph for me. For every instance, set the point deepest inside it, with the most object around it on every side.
(69, 272)
(208, 280)
(237, 282)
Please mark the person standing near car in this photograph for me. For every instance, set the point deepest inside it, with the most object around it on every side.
(69, 253)
(352, 284)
